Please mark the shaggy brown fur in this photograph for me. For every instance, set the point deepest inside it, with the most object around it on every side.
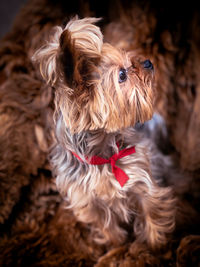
(99, 95)
(169, 38)
(35, 229)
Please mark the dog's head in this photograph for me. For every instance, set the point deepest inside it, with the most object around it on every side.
(97, 86)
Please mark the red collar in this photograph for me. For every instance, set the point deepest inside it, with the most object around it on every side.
(119, 174)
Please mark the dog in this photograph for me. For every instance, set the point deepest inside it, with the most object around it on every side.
(102, 165)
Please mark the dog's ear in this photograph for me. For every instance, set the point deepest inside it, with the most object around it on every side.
(72, 54)
(80, 53)
(46, 56)
(77, 65)
(67, 57)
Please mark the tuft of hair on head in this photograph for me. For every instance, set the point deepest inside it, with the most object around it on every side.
(71, 53)
(46, 56)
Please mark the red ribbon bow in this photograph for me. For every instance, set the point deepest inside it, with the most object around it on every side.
(119, 174)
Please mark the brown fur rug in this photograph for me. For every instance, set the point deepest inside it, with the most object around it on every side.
(35, 229)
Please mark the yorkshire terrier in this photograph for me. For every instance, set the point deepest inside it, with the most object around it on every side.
(102, 165)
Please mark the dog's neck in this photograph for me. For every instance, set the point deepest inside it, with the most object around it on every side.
(94, 143)
(98, 142)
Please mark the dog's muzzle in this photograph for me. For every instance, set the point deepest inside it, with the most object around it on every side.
(147, 64)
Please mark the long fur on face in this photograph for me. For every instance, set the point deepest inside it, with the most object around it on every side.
(94, 110)
(74, 61)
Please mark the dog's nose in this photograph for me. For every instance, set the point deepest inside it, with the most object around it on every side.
(147, 64)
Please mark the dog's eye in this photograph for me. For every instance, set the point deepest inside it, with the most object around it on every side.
(122, 75)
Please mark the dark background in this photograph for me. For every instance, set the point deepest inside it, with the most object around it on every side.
(8, 11)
